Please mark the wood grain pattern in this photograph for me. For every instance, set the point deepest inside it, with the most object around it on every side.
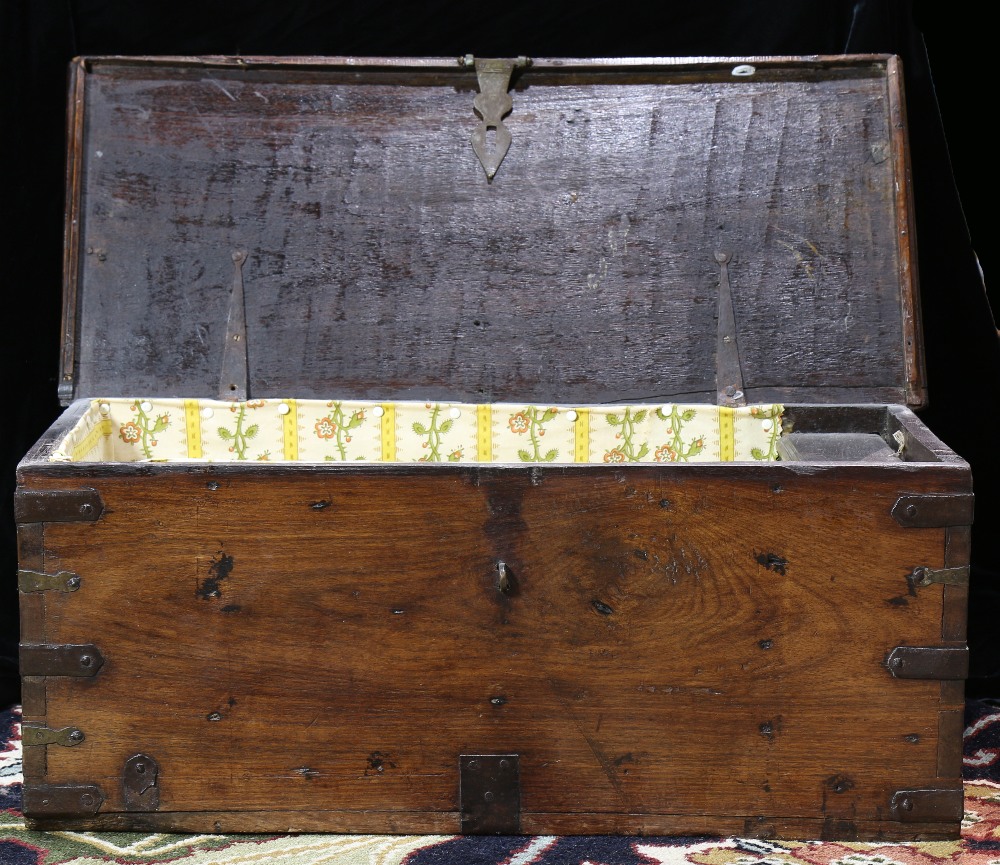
(672, 646)
(381, 264)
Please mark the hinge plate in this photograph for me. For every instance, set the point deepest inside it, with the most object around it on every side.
(139, 783)
(728, 369)
(490, 794)
(66, 800)
(57, 506)
(934, 511)
(42, 659)
(35, 581)
(928, 662)
(36, 734)
(927, 806)
(492, 104)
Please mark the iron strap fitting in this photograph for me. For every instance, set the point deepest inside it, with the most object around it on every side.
(42, 659)
(57, 506)
(927, 806)
(928, 662)
(921, 577)
(63, 800)
(37, 734)
(490, 794)
(36, 581)
(933, 511)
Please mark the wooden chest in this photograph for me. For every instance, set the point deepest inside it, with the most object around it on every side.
(492, 446)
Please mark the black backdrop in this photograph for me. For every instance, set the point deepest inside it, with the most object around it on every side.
(40, 36)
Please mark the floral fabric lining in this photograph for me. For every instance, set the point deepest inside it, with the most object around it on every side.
(288, 430)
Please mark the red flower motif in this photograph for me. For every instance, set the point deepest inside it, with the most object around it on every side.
(325, 428)
(519, 423)
(615, 456)
(130, 433)
(665, 454)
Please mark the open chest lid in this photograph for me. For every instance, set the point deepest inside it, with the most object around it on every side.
(580, 231)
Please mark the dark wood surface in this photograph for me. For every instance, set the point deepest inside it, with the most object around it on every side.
(684, 649)
(381, 264)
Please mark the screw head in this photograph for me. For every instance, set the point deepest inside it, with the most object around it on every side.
(86, 660)
(488, 796)
(906, 804)
(86, 800)
(73, 583)
(86, 509)
(474, 765)
(911, 510)
(76, 736)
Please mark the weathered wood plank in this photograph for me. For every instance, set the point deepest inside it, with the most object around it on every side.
(585, 271)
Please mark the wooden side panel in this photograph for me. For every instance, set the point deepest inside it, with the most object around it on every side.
(706, 643)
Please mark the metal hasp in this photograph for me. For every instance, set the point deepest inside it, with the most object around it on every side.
(234, 382)
(36, 581)
(492, 104)
(62, 800)
(490, 794)
(36, 734)
(927, 806)
(728, 370)
(928, 662)
(934, 511)
(57, 506)
(139, 783)
(42, 659)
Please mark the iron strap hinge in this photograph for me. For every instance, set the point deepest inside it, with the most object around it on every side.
(490, 794)
(927, 806)
(68, 800)
(928, 662)
(921, 577)
(57, 506)
(493, 103)
(36, 581)
(42, 659)
(37, 734)
(934, 511)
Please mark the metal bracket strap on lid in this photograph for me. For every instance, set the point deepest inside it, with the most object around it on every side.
(728, 370)
(928, 662)
(492, 104)
(37, 734)
(234, 381)
(490, 794)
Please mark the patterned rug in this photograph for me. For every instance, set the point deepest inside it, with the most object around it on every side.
(979, 845)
